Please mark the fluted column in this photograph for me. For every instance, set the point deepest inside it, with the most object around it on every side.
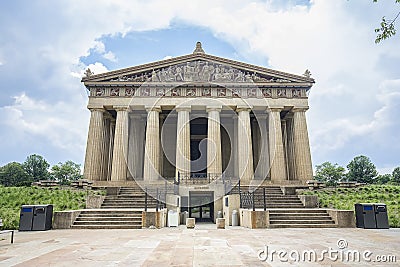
(301, 145)
(151, 171)
(183, 142)
(245, 150)
(119, 163)
(277, 156)
(263, 162)
(214, 156)
(111, 149)
(106, 147)
(94, 147)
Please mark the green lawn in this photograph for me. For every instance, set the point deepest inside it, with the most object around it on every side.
(12, 198)
(345, 198)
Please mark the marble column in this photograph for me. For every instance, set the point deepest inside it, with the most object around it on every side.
(214, 157)
(277, 156)
(106, 147)
(94, 148)
(111, 149)
(183, 142)
(290, 149)
(301, 145)
(245, 150)
(263, 162)
(136, 135)
(151, 171)
(119, 163)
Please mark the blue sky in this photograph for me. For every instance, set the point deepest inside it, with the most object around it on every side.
(46, 45)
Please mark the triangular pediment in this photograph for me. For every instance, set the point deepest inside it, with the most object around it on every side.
(198, 68)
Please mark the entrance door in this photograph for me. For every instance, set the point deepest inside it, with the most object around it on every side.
(201, 206)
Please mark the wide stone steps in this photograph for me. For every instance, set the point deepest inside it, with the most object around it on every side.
(109, 219)
(296, 218)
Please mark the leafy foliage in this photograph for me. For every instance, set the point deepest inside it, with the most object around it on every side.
(66, 172)
(396, 176)
(37, 167)
(13, 174)
(361, 170)
(329, 173)
(345, 198)
(387, 27)
(383, 178)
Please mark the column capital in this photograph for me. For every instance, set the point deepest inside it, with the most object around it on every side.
(183, 108)
(153, 108)
(299, 109)
(121, 108)
(243, 108)
(213, 108)
(96, 108)
(274, 109)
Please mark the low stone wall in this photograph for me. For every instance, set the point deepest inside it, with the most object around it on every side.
(154, 218)
(309, 201)
(343, 218)
(94, 202)
(254, 219)
(64, 219)
(230, 203)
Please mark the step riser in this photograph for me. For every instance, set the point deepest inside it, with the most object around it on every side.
(302, 226)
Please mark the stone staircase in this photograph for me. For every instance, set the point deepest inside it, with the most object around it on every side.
(300, 218)
(122, 211)
(287, 211)
(109, 219)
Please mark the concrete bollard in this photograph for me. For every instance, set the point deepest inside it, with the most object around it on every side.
(190, 223)
(221, 223)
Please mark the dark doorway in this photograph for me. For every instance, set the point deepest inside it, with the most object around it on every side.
(201, 206)
(198, 147)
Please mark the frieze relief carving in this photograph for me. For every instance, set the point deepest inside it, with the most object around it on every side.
(198, 71)
(198, 92)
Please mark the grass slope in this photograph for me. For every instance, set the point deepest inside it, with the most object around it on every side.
(12, 198)
(345, 198)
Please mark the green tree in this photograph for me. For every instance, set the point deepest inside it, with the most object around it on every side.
(361, 170)
(396, 176)
(383, 178)
(66, 172)
(329, 173)
(13, 174)
(37, 167)
(387, 27)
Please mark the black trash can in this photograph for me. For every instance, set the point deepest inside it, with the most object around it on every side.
(365, 216)
(381, 216)
(36, 217)
(26, 218)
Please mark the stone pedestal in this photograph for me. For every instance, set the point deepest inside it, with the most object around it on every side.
(220, 223)
(190, 223)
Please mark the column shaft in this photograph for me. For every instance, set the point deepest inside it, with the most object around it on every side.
(111, 149)
(214, 157)
(183, 142)
(151, 170)
(94, 147)
(245, 150)
(106, 150)
(277, 156)
(119, 165)
(301, 146)
(263, 163)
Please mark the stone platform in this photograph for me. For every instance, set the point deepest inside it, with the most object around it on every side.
(203, 246)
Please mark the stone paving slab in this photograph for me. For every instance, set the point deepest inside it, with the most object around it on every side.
(202, 246)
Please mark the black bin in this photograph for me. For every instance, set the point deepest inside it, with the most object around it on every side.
(371, 216)
(36, 217)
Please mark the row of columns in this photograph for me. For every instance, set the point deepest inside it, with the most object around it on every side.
(107, 149)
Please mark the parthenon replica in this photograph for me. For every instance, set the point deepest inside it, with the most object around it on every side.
(198, 120)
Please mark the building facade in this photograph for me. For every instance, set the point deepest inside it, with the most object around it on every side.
(197, 118)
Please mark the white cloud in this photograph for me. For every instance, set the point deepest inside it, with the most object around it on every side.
(96, 68)
(110, 56)
(167, 57)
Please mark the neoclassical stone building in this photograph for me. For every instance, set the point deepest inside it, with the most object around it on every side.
(195, 117)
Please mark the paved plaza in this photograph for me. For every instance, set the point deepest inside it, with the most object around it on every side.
(202, 246)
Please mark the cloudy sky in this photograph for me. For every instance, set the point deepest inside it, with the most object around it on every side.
(46, 45)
